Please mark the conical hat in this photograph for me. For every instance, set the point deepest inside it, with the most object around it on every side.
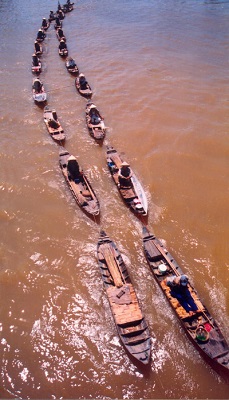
(125, 164)
(71, 158)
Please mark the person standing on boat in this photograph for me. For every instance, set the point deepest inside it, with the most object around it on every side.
(179, 289)
(124, 176)
(74, 169)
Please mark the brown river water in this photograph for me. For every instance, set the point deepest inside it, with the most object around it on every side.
(159, 72)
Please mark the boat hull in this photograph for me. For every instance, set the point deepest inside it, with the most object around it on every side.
(200, 327)
(57, 134)
(130, 322)
(134, 197)
(82, 191)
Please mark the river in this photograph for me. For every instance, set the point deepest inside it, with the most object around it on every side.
(159, 73)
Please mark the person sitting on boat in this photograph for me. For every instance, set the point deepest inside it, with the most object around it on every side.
(51, 16)
(58, 23)
(35, 60)
(60, 33)
(40, 34)
(37, 85)
(179, 289)
(44, 23)
(53, 123)
(37, 46)
(73, 169)
(82, 81)
(60, 14)
(124, 176)
(70, 63)
(95, 117)
(62, 45)
(68, 5)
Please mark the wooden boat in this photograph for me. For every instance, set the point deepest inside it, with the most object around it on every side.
(39, 94)
(128, 317)
(95, 122)
(71, 66)
(134, 197)
(81, 189)
(52, 16)
(41, 35)
(58, 23)
(53, 125)
(83, 86)
(63, 50)
(200, 327)
(36, 64)
(60, 13)
(60, 34)
(68, 7)
(37, 48)
(45, 24)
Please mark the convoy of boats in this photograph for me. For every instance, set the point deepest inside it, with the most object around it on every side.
(200, 326)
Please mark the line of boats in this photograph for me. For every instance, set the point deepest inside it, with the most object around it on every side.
(200, 327)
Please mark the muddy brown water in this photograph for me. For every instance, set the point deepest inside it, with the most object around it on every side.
(159, 72)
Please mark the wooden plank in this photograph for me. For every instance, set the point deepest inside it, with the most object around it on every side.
(127, 193)
(127, 312)
(112, 264)
(152, 251)
(116, 159)
(166, 258)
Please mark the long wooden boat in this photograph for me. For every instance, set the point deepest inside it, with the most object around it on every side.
(53, 125)
(41, 35)
(36, 64)
(37, 48)
(39, 94)
(83, 86)
(52, 16)
(200, 327)
(71, 66)
(60, 34)
(45, 24)
(82, 190)
(130, 322)
(68, 7)
(134, 197)
(94, 121)
(58, 24)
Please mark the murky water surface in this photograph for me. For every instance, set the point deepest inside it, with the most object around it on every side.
(159, 72)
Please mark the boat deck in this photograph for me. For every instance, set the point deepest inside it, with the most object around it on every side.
(124, 304)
